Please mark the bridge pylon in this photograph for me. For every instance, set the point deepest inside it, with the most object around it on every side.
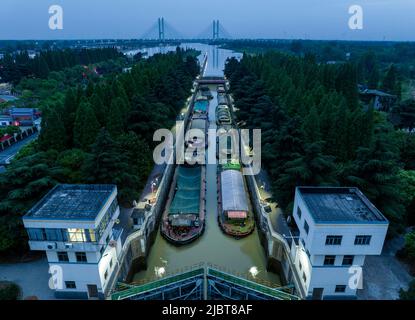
(215, 29)
(161, 29)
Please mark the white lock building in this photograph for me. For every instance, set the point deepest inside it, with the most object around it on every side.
(338, 228)
(76, 226)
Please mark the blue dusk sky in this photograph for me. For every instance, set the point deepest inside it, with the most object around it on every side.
(309, 19)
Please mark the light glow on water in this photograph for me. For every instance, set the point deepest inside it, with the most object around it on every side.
(159, 271)
(253, 271)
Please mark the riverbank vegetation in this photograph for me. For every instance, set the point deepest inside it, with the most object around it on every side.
(96, 129)
(317, 131)
(16, 66)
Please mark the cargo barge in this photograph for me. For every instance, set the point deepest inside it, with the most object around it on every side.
(234, 216)
(183, 219)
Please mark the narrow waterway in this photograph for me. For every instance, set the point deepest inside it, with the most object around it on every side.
(245, 256)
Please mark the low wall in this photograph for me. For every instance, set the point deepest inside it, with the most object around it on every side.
(17, 138)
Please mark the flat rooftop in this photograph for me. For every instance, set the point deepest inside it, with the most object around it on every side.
(72, 202)
(340, 205)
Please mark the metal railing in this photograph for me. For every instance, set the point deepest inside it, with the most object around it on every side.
(273, 292)
(132, 289)
(135, 288)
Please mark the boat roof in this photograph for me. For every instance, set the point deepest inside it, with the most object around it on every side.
(187, 197)
(233, 191)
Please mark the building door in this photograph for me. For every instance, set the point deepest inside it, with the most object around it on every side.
(92, 291)
(317, 293)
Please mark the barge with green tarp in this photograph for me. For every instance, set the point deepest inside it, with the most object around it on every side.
(184, 218)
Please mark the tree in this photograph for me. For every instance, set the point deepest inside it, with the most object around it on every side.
(71, 162)
(139, 156)
(69, 113)
(312, 168)
(107, 164)
(41, 67)
(25, 182)
(53, 134)
(346, 83)
(390, 82)
(376, 174)
(86, 126)
(408, 294)
(115, 123)
(410, 245)
(406, 114)
(311, 126)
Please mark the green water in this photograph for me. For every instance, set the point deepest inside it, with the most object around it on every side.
(245, 256)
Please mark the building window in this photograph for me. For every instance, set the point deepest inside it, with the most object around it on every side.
(70, 284)
(299, 212)
(334, 240)
(111, 263)
(362, 240)
(107, 218)
(304, 277)
(329, 260)
(36, 234)
(347, 260)
(54, 235)
(340, 288)
(106, 274)
(300, 265)
(63, 256)
(76, 235)
(90, 235)
(81, 257)
(306, 227)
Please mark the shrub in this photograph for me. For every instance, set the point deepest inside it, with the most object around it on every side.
(9, 291)
(410, 245)
(408, 294)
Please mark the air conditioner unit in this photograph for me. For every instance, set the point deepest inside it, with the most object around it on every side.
(68, 245)
(51, 246)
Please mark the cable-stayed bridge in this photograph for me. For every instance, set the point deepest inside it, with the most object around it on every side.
(162, 30)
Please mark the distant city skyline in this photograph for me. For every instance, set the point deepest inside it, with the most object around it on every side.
(391, 20)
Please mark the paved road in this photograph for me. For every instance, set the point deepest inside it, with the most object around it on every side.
(384, 275)
(278, 220)
(32, 277)
(10, 152)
